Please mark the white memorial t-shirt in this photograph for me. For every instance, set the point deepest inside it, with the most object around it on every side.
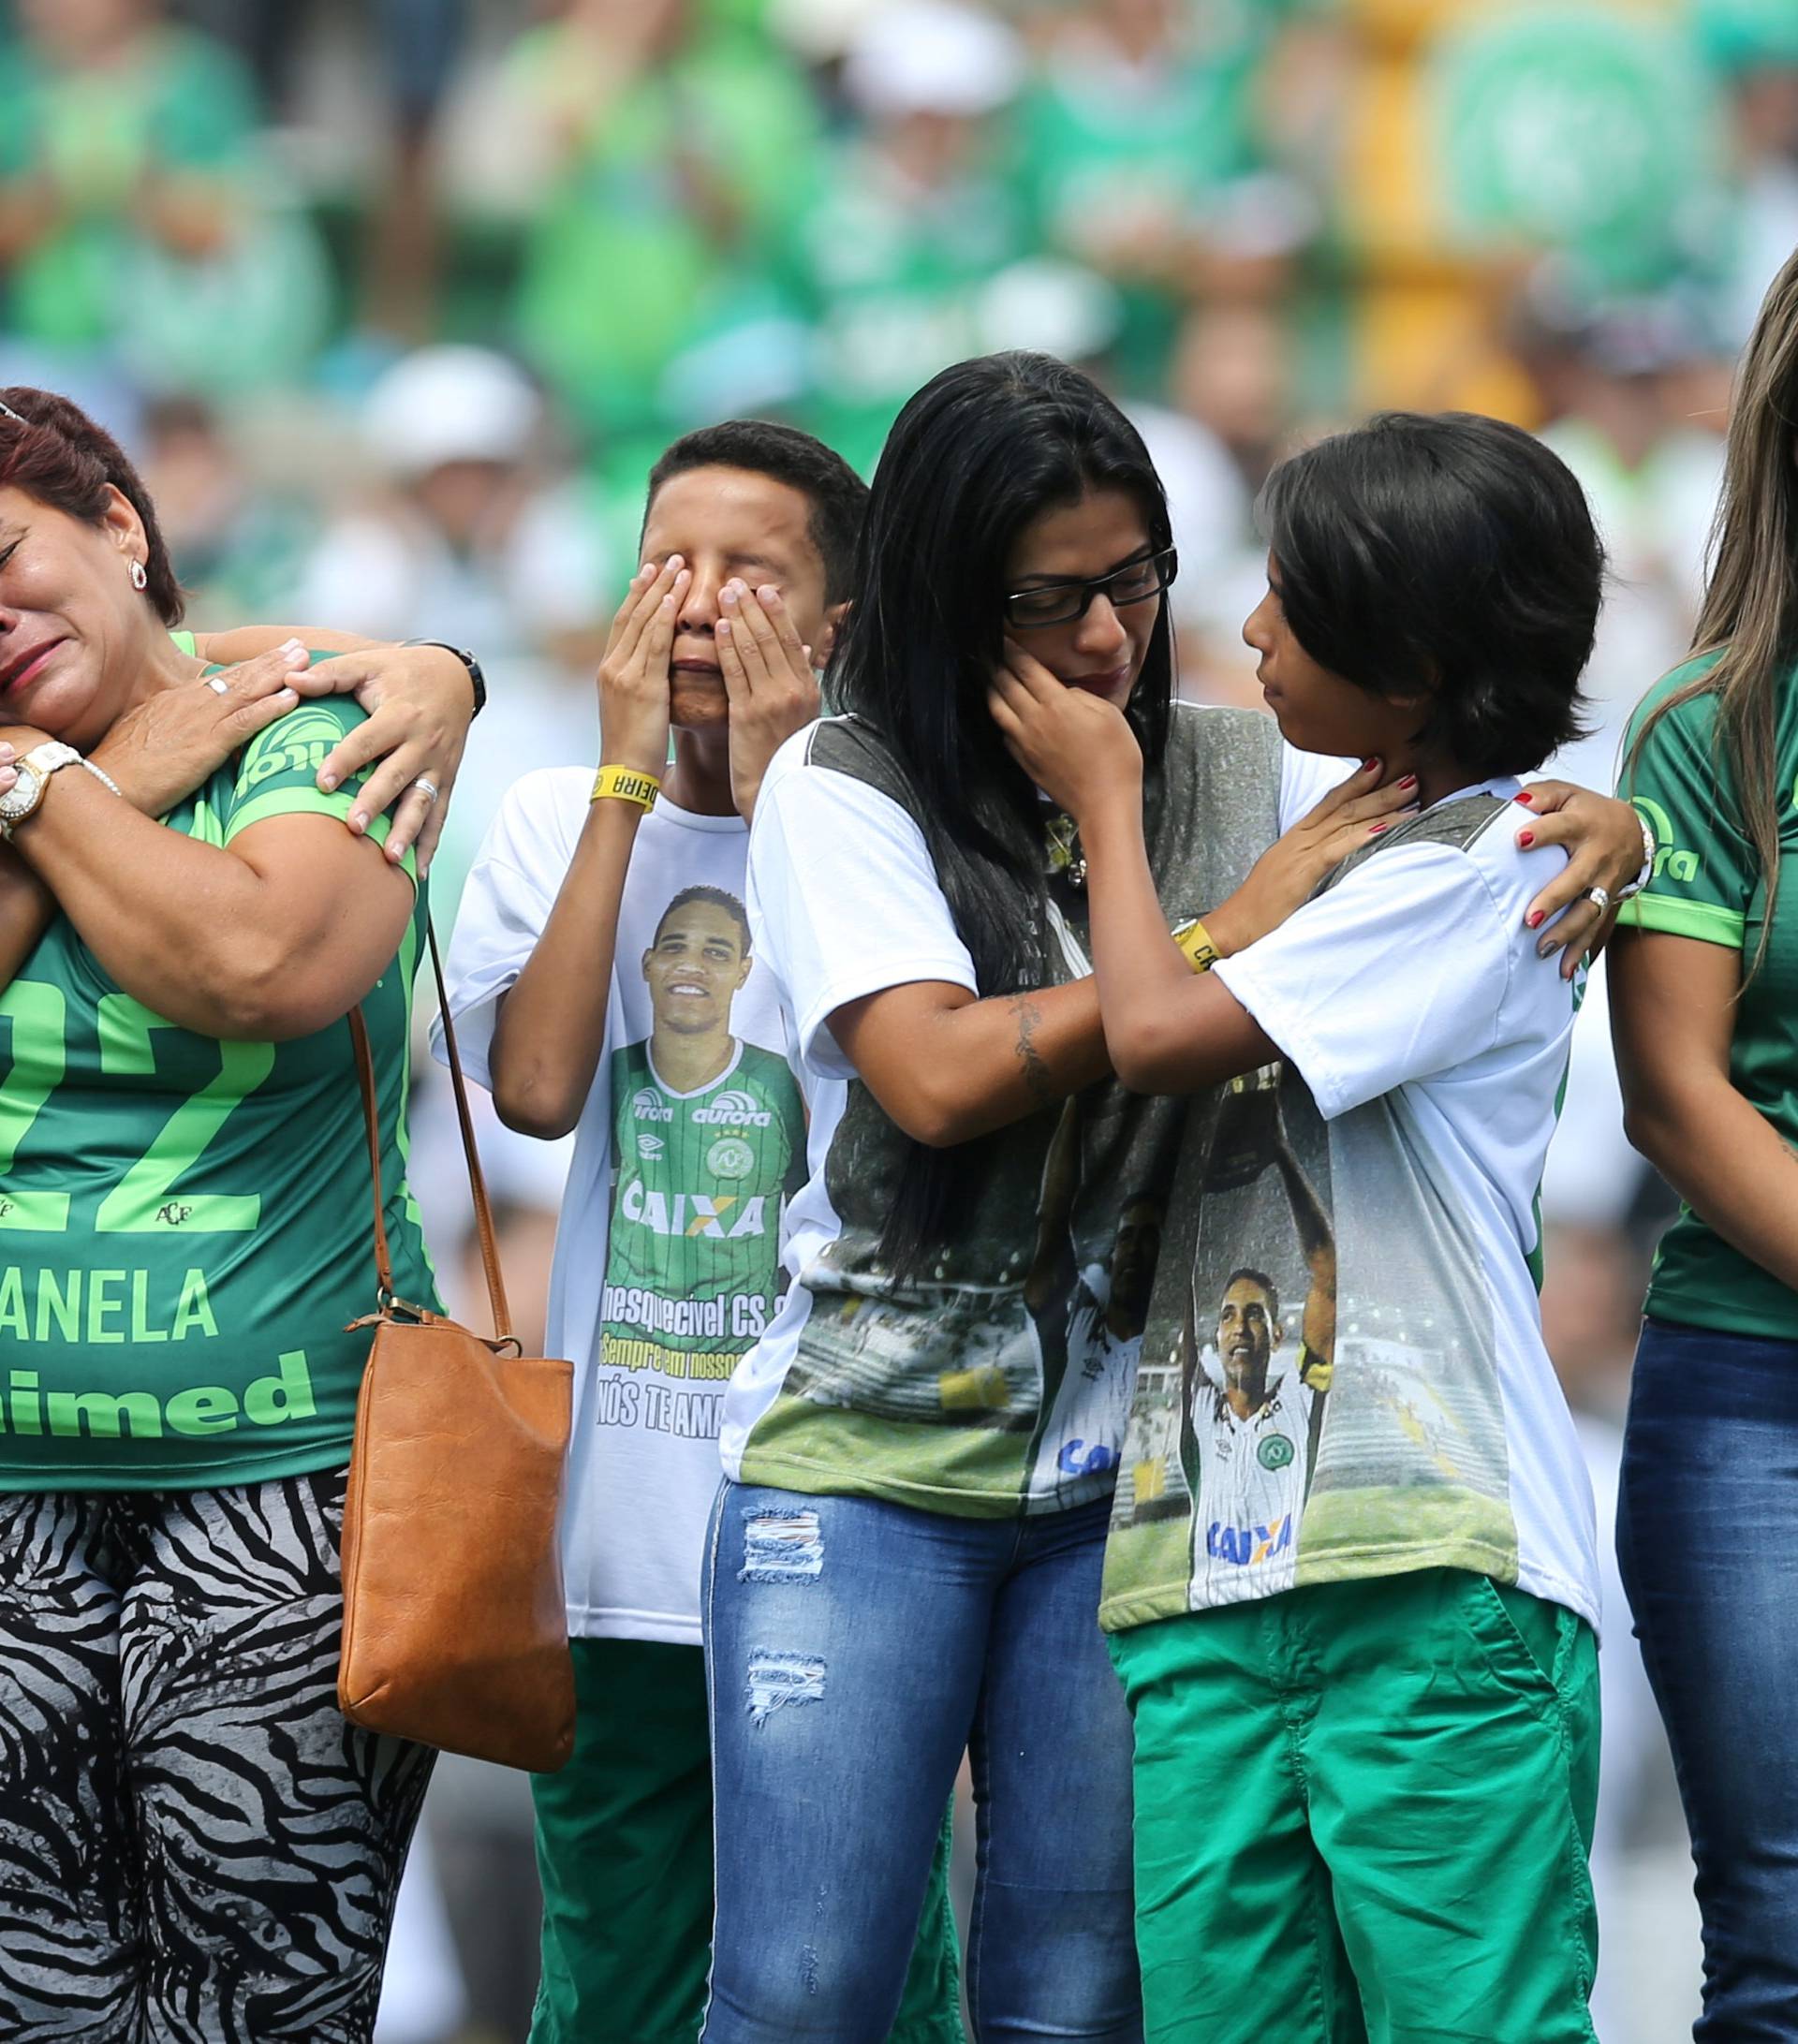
(1424, 1045)
(994, 1379)
(666, 1265)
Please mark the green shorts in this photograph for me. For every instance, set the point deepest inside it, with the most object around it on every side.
(1362, 1815)
(624, 1846)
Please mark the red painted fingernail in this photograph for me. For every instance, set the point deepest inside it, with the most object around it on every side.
(1410, 781)
(1534, 918)
(1525, 798)
(1526, 838)
(1369, 766)
(1378, 829)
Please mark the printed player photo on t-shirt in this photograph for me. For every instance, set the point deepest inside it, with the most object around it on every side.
(1343, 1374)
(1223, 1434)
(708, 1136)
(668, 1249)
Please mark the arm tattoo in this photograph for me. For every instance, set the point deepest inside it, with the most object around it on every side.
(1036, 1080)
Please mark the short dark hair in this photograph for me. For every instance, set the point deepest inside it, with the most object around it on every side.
(762, 446)
(1254, 1277)
(718, 898)
(1448, 555)
(54, 451)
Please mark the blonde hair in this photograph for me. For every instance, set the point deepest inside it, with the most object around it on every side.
(1749, 614)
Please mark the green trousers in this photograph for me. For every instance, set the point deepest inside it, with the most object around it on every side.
(624, 1848)
(1362, 1815)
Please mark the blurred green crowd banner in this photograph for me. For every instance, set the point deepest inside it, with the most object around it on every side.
(1574, 129)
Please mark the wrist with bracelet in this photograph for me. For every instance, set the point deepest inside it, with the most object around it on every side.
(1194, 944)
(626, 784)
(23, 800)
(477, 680)
(1650, 849)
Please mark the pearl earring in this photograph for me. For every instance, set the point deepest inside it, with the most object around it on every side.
(138, 579)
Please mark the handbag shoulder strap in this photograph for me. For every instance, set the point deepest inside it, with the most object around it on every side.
(476, 1183)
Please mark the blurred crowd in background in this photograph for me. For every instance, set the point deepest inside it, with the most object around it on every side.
(395, 301)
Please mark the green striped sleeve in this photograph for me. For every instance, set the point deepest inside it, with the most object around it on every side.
(1706, 871)
(1705, 921)
(300, 802)
(277, 776)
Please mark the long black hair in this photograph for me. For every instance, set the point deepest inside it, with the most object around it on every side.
(980, 452)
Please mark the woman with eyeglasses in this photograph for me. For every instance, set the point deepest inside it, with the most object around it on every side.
(921, 1449)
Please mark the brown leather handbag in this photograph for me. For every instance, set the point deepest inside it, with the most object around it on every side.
(455, 1633)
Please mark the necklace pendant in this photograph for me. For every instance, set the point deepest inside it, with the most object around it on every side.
(1065, 856)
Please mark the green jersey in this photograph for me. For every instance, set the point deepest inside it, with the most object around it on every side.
(1707, 883)
(185, 1223)
(692, 1259)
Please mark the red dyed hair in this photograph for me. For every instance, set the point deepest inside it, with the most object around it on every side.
(55, 452)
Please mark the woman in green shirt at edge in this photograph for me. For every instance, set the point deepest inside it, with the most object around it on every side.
(1704, 1015)
(192, 1841)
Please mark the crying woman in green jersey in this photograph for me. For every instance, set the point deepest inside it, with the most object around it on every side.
(186, 922)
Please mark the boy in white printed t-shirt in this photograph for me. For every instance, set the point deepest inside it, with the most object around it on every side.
(1360, 1651)
(603, 979)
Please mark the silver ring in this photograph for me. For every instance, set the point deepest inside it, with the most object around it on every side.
(427, 788)
(218, 684)
(1599, 899)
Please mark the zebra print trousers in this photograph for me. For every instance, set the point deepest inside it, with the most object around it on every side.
(194, 1846)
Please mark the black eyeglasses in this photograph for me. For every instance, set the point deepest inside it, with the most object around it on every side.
(1061, 603)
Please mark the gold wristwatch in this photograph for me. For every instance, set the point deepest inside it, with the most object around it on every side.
(22, 799)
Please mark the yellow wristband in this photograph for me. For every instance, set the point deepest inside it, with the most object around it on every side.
(627, 784)
(1195, 946)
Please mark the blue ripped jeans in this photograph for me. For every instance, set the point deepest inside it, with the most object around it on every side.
(853, 1650)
